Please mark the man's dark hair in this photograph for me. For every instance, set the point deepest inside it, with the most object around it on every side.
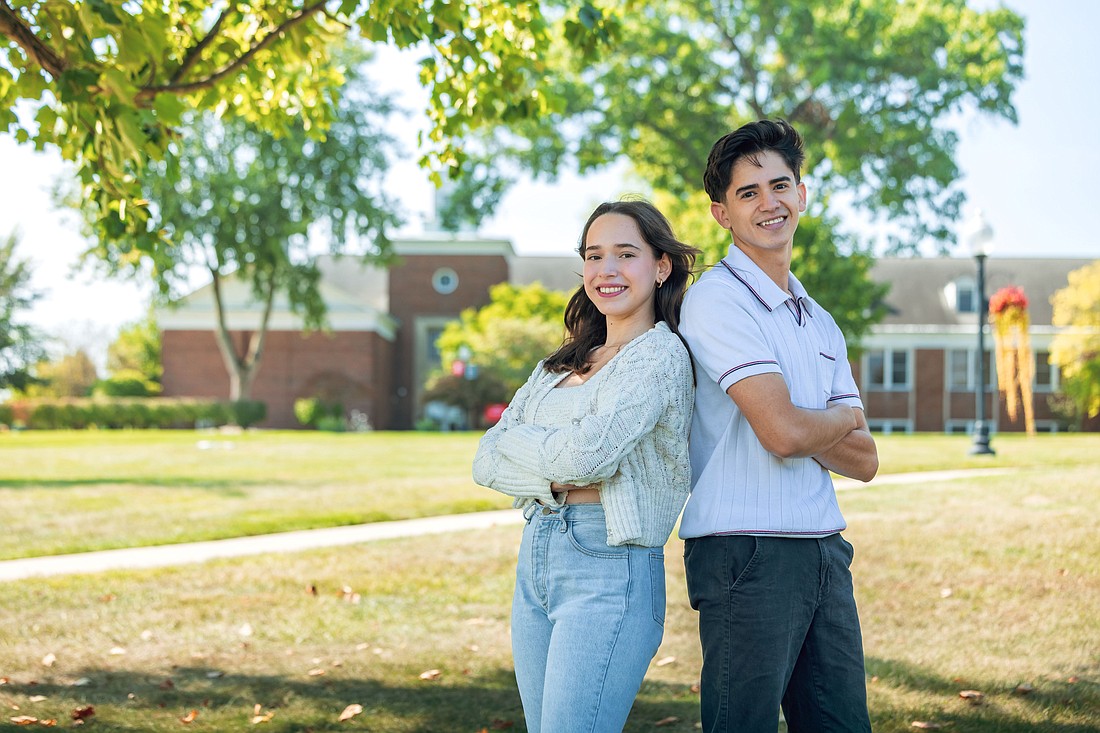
(748, 141)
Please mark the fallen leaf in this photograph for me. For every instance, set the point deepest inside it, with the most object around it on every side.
(37, 698)
(49, 722)
(974, 697)
(667, 721)
(190, 717)
(24, 720)
(245, 629)
(925, 725)
(258, 716)
(106, 597)
(315, 672)
(694, 687)
(83, 713)
(49, 659)
(168, 684)
(82, 682)
(350, 712)
(146, 635)
(1024, 689)
(1072, 680)
(312, 589)
(214, 674)
(431, 674)
(664, 661)
(945, 592)
(117, 651)
(4, 680)
(364, 645)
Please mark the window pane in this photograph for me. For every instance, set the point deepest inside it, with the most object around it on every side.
(959, 369)
(900, 370)
(876, 368)
(966, 298)
(1042, 369)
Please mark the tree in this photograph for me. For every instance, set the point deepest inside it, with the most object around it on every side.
(505, 339)
(239, 201)
(72, 375)
(871, 84)
(1076, 348)
(108, 83)
(20, 345)
(835, 269)
(137, 350)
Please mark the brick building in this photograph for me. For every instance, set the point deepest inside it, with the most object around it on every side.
(383, 323)
(916, 373)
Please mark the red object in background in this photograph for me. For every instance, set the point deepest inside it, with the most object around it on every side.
(493, 412)
(458, 368)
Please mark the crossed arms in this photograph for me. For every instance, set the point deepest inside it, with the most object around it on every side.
(837, 437)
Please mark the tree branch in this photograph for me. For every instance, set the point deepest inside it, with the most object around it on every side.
(196, 50)
(15, 28)
(301, 16)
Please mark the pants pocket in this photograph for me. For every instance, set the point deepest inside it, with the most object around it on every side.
(657, 585)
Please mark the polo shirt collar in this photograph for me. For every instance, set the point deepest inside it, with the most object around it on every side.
(763, 287)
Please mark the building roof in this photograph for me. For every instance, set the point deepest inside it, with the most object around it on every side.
(921, 289)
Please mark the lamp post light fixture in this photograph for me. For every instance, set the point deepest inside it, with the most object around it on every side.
(980, 236)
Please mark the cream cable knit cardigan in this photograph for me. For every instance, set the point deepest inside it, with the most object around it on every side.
(629, 433)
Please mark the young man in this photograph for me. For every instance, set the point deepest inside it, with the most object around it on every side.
(776, 408)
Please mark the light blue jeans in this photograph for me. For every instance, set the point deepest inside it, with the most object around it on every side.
(586, 621)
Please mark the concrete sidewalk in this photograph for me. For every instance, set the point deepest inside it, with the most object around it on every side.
(195, 552)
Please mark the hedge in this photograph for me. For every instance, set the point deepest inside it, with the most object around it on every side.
(154, 412)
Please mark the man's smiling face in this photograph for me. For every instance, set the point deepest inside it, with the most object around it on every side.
(761, 205)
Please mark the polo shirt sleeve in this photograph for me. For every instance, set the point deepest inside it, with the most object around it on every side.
(724, 334)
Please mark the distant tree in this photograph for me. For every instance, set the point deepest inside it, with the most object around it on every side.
(72, 375)
(239, 202)
(109, 83)
(137, 350)
(504, 340)
(1076, 348)
(873, 85)
(832, 265)
(20, 345)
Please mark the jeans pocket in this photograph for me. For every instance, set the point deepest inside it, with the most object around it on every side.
(657, 585)
(590, 538)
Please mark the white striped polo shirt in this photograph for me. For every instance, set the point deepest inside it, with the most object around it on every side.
(739, 323)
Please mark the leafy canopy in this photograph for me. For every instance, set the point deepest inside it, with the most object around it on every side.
(109, 83)
(873, 86)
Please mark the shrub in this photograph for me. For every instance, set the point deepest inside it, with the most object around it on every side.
(312, 412)
(7, 415)
(126, 383)
(247, 413)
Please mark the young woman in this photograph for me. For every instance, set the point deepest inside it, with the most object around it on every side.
(594, 449)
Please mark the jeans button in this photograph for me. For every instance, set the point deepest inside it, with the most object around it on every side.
(545, 510)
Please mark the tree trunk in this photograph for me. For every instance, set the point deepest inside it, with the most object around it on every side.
(242, 369)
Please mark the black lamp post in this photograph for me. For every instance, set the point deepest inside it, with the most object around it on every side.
(981, 238)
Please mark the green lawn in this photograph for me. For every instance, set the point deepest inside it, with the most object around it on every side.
(985, 584)
(95, 490)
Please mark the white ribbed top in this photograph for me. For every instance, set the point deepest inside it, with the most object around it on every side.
(627, 429)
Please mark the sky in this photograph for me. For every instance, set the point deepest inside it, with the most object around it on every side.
(1033, 182)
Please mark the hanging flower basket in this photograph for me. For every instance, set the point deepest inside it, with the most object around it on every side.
(1015, 360)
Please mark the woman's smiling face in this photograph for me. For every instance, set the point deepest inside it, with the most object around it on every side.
(621, 269)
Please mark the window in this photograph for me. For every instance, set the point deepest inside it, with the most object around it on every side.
(961, 376)
(888, 369)
(886, 427)
(963, 295)
(445, 281)
(1046, 374)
